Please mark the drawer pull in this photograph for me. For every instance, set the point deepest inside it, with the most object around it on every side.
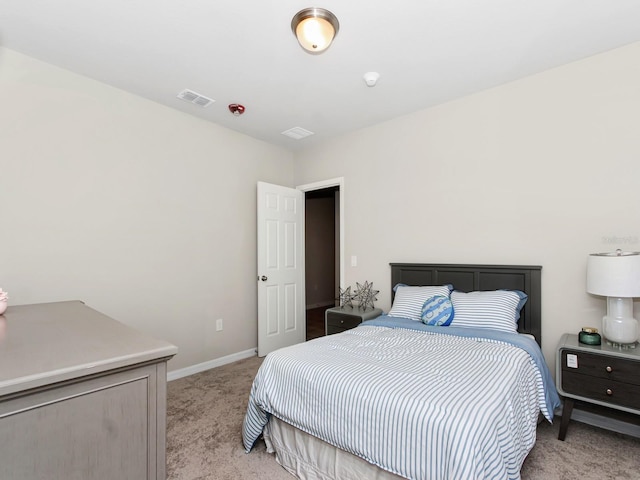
(609, 391)
(609, 369)
(341, 322)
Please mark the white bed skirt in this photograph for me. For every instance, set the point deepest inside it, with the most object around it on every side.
(310, 458)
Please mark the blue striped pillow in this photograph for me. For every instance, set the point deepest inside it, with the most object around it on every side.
(408, 301)
(437, 311)
(495, 309)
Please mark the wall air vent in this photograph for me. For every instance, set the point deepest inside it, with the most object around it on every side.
(297, 133)
(195, 98)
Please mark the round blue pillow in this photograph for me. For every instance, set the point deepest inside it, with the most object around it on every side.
(437, 310)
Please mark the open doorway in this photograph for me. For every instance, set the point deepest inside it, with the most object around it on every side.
(322, 256)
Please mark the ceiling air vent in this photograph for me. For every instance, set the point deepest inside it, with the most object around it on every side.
(297, 133)
(195, 98)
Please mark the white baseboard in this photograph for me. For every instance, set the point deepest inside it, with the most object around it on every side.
(216, 362)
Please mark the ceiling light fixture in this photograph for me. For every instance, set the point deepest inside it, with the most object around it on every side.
(315, 28)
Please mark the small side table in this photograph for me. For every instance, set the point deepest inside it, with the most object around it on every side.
(598, 374)
(339, 319)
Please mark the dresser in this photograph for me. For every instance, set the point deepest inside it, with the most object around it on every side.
(82, 396)
(597, 374)
(339, 319)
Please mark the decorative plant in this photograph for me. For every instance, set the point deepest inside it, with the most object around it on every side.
(4, 296)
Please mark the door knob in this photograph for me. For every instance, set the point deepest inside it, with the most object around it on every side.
(263, 278)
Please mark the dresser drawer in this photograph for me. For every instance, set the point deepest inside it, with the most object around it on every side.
(602, 389)
(601, 366)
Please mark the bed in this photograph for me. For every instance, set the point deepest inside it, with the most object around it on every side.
(399, 398)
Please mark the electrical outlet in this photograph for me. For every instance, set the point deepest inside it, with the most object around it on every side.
(219, 325)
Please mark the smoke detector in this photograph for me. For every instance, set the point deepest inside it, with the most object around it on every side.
(371, 78)
(236, 109)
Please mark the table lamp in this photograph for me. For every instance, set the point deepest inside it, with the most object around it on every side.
(616, 275)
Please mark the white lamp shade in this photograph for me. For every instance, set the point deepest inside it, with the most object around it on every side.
(615, 274)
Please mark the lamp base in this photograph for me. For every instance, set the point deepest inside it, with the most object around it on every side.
(622, 346)
(619, 328)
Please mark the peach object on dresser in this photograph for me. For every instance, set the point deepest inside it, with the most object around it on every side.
(3, 301)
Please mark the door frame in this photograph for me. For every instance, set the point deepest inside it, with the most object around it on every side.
(333, 182)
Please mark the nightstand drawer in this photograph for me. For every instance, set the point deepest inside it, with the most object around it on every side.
(602, 389)
(605, 367)
(333, 330)
(343, 321)
(339, 319)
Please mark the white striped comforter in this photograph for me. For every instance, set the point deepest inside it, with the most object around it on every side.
(420, 405)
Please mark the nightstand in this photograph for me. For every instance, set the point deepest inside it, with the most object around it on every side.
(597, 374)
(339, 319)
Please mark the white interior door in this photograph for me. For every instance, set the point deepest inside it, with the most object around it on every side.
(281, 301)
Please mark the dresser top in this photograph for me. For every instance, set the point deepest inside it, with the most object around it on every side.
(47, 343)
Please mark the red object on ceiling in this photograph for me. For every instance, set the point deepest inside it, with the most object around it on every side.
(236, 109)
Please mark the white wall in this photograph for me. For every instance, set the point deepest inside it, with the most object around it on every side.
(145, 213)
(541, 171)
(148, 214)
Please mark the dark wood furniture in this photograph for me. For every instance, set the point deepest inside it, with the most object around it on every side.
(597, 374)
(467, 278)
(339, 319)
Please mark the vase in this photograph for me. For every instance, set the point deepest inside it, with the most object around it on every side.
(3, 306)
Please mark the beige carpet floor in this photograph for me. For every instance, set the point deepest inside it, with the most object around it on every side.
(205, 413)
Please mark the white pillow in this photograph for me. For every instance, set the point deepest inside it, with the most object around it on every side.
(408, 301)
(495, 309)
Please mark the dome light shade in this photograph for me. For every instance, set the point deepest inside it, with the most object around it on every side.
(315, 28)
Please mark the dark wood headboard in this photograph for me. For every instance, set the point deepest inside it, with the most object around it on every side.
(467, 278)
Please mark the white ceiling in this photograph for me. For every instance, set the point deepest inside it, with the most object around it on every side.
(243, 51)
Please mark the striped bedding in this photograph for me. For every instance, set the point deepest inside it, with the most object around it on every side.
(417, 403)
